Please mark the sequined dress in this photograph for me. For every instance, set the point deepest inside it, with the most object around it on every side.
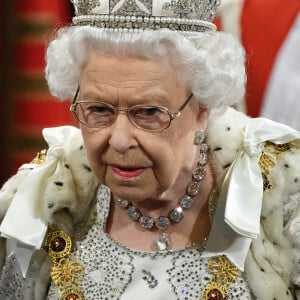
(113, 271)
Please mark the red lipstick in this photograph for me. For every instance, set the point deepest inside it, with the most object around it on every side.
(127, 172)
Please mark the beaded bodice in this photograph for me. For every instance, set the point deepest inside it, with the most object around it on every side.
(113, 271)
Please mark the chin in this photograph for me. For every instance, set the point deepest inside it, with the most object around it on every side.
(134, 194)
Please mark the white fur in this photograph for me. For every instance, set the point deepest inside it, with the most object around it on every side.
(272, 264)
(70, 190)
(9, 189)
(224, 131)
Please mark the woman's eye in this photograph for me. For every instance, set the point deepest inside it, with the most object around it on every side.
(100, 109)
(151, 111)
(148, 111)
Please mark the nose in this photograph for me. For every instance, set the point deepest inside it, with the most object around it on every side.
(122, 136)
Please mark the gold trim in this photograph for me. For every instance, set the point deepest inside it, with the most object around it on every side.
(40, 157)
(213, 203)
(72, 294)
(65, 272)
(214, 291)
(268, 160)
(53, 240)
(224, 273)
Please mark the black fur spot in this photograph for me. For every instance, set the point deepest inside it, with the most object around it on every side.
(50, 205)
(286, 166)
(295, 180)
(87, 168)
(218, 148)
(58, 183)
(67, 166)
(81, 147)
(226, 166)
(263, 270)
(228, 128)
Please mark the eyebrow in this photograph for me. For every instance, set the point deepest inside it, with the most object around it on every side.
(158, 99)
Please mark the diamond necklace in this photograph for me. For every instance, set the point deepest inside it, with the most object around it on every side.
(162, 223)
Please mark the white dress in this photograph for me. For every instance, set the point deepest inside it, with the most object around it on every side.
(113, 271)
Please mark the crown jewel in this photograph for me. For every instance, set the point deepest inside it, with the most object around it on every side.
(187, 16)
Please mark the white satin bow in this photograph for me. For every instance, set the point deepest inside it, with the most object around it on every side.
(25, 221)
(241, 195)
(245, 188)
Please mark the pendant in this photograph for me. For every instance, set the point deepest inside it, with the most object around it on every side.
(162, 242)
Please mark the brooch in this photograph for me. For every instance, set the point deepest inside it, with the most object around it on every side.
(224, 273)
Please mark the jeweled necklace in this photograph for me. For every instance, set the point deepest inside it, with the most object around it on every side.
(162, 223)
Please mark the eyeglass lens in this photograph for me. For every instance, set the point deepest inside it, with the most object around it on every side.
(97, 114)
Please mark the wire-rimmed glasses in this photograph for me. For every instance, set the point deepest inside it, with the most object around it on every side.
(97, 114)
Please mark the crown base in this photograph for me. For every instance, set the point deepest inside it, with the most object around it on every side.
(141, 23)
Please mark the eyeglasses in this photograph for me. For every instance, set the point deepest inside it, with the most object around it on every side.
(96, 114)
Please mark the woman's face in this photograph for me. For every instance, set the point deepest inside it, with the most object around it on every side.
(138, 164)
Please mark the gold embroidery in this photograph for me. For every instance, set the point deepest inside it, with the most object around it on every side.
(72, 294)
(224, 273)
(65, 271)
(268, 160)
(40, 157)
(277, 149)
(265, 163)
(213, 202)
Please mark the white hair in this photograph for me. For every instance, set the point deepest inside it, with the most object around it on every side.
(211, 64)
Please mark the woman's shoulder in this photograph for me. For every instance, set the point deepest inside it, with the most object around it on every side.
(265, 154)
(231, 133)
(61, 175)
(224, 135)
(265, 150)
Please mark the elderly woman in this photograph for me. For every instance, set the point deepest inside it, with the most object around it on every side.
(164, 192)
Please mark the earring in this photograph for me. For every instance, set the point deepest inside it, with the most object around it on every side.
(199, 137)
(199, 173)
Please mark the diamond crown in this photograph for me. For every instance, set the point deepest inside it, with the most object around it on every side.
(187, 16)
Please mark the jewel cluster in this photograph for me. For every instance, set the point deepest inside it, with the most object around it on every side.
(199, 9)
(149, 279)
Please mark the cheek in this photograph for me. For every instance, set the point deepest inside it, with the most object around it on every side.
(174, 157)
(164, 167)
(94, 148)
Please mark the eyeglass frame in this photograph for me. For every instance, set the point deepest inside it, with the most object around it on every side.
(172, 116)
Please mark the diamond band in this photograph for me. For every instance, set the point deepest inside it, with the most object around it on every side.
(186, 16)
(137, 24)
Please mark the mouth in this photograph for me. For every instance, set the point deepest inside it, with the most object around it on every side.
(127, 172)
